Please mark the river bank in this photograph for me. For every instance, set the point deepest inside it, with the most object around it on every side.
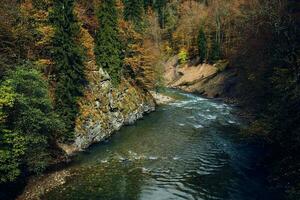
(197, 149)
(39, 185)
(210, 80)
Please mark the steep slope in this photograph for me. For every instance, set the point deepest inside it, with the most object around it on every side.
(209, 80)
(105, 108)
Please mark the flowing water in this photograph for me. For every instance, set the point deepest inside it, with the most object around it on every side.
(189, 149)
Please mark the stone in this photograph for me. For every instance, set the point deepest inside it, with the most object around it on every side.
(212, 81)
(105, 109)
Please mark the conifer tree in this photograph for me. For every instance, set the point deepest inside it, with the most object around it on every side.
(160, 6)
(202, 45)
(148, 3)
(108, 46)
(215, 51)
(68, 57)
(133, 11)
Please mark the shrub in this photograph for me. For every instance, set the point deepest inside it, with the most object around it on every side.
(27, 124)
(182, 56)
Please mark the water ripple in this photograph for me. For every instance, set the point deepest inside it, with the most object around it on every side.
(185, 150)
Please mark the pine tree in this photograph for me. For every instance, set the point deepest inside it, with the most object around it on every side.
(108, 47)
(202, 45)
(133, 11)
(160, 6)
(68, 57)
(148, 3)
(215, 51)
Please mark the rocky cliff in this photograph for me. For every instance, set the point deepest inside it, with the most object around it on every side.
(105, 108)
(209, 80)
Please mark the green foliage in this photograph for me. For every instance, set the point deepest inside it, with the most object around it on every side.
(202, 45)
(11, 146)
(12, 149)
(27, 124)
(215, 51)
(171, 19)
(160, 7)
(69, 68)
(148, 3)
(40, 4)
(7, 43)
(7, 97)
(108, 46)
(182, 56)
(133, 11)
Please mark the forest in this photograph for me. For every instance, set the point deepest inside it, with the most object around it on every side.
(49, 50)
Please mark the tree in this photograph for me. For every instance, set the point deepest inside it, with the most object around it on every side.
(10, 152)
(133, 11)
(215, 51)
(160, 6)
(108, 48)
(16, 35)
(69, 68)
(267, 61)
(148, 3)
(202, 45)
(183, 56)
(27, 124)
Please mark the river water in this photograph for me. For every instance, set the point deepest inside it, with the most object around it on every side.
(189, 149)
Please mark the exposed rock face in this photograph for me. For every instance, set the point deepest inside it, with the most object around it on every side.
(105, 109)
(161, 99)
(209, 80)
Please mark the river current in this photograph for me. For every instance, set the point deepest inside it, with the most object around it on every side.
(188, 149)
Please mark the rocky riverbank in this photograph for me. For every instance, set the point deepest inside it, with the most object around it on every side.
(160, 98)
(212, 81)
(37, 186)
(105, 109)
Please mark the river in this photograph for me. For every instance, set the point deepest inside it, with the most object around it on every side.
(188, 149)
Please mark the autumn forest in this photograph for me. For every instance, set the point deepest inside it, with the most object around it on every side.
(73, 72)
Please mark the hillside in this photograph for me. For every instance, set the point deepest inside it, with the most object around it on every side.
(74, 72)
(205, 79)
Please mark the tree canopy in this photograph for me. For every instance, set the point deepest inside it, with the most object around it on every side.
(108, 49)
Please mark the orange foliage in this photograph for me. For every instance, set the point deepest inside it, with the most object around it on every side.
(192, 14)
(140, 56)
(85, 11)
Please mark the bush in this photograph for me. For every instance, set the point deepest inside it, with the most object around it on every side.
(27, 124)
(182, 56)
